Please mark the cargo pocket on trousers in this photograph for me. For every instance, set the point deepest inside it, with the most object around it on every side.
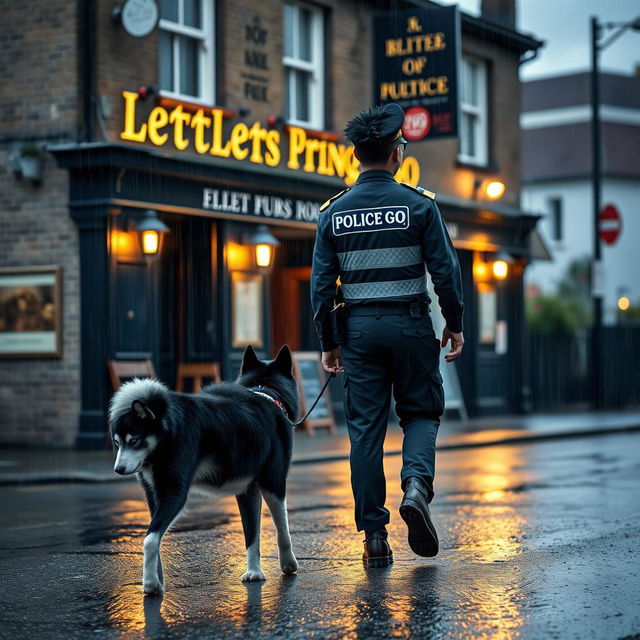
(436, 392)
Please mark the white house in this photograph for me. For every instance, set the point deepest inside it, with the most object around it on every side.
(556, 124)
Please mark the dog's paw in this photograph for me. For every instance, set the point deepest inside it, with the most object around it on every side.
(153, 588)
(252, 575)
(288, 563)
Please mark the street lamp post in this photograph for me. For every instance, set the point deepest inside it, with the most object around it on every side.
(597, 279)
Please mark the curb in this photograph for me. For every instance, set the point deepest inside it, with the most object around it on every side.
(509, 440)
(82, 477)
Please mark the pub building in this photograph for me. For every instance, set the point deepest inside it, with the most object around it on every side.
(209, 137)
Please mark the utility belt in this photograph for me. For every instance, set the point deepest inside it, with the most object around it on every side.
(341, 311)
(414, 309)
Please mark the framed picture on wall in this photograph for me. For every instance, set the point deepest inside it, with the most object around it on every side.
(30, 312)
(246, 309)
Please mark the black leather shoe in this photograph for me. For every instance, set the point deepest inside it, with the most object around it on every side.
(377, 552)
(414, 510)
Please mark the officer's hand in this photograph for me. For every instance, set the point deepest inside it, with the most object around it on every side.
(332, 361)
(457, 340)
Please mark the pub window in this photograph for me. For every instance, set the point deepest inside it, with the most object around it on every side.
(555, 214)
(304, 65)
(487, 313)
(474, 143)
(187, 50)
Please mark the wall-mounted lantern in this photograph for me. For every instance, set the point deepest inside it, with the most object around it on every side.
(151, 231)
(480, 271)
(263, 242)
(498, 269)
(492, 189)
(500, 266)
(27, 162)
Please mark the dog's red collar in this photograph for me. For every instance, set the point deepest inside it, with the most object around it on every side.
(272, 395)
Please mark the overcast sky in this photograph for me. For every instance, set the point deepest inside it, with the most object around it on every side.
(565, 28)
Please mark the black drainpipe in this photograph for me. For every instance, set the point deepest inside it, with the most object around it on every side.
(86, 66)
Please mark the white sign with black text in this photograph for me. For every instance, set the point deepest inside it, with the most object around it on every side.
(260, 205)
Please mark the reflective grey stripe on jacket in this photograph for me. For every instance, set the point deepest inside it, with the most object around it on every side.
(374, 290)
(380, 258)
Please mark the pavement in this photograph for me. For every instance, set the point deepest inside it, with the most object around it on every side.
(538, 541)
(24, 466)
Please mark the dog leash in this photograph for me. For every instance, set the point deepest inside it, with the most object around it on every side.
(313, 406)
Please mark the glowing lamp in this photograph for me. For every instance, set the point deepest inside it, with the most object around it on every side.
(152, 231)
(150, 242)
(623, 303)
(500, 269)
(264, 243)
(494, 189)
(480, 270)
(263, 255)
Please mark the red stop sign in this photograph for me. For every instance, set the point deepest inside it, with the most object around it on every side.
(610, 224)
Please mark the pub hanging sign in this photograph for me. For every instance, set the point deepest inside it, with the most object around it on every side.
(416, 62)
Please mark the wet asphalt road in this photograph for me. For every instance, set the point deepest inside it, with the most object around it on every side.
(537, 541)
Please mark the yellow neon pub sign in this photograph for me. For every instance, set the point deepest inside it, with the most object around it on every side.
(203, 132)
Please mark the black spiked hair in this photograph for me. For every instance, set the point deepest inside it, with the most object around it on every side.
(364, 131)
(366, 126)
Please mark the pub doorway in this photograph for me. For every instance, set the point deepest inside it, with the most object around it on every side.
(291, 313)
(187, 299)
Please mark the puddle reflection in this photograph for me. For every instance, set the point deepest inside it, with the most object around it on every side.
(333, 596)
(394, 603)
(489, 521)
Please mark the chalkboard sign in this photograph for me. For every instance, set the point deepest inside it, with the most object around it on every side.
(453, 399)
(311, 379)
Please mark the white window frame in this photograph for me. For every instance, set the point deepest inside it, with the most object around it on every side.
(315, 68)
(479, 112)
(206, 36)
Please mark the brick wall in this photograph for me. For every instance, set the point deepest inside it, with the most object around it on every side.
(440, 171)
(351, 61)
(39, 69)
(123, 63)
(39, 398)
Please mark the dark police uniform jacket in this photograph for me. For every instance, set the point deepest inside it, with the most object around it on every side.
(377, 237)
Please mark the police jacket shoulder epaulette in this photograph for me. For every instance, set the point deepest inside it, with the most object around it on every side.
(333, 198)
(421, 190)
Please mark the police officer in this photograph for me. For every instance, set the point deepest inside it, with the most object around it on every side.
(376, 237)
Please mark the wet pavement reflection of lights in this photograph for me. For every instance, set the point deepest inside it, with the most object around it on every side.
(377, 603)
(521, 556)
(488, 522)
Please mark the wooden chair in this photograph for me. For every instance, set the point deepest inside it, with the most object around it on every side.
(122, 369)
(197, 371)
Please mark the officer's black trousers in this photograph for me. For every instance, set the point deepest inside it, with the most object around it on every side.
(384, 352)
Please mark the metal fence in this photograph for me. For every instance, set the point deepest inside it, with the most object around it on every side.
(559, 371)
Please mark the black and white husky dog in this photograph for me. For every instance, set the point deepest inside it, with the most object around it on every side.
(228, 439)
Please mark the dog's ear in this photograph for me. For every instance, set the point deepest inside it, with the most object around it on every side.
(142, 411)
(283, 361)
(250, 360)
